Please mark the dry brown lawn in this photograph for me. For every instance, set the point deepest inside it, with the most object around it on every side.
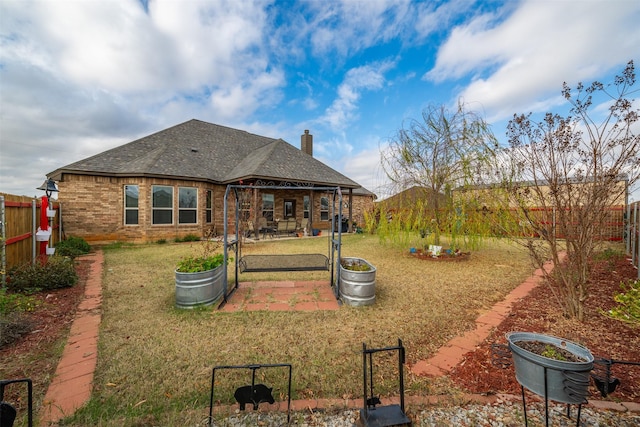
(155, 361)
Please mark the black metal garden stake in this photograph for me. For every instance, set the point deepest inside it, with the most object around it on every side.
(253, 394)
(372, 415)
(7, 411)
(604, 381)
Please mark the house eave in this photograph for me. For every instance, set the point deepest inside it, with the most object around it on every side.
(58, 174)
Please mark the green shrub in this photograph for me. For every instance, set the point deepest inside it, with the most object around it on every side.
(608, 254)
(14, 302)
(199, 264)
(188, 238)
(72, 247)
(54, 273)
(628, 303)
(117, 245)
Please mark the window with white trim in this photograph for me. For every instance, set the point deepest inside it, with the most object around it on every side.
(209, 207)
(162, 204)
(268, 202)
(187, 205)
(305, 207)
(324, 209)
(131, 200)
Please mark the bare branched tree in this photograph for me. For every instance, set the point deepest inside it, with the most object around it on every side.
(439, 152)
(572, 170)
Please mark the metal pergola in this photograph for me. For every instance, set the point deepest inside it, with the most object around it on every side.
(282, 262)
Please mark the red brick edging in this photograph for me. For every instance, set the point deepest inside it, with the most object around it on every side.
(449, 355)
(73, 380)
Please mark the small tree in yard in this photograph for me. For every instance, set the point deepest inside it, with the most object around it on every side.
(439, 152)
(574, 168)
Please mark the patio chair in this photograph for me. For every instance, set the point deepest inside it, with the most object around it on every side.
(264, 228)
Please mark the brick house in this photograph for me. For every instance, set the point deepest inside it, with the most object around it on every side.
(172, 183)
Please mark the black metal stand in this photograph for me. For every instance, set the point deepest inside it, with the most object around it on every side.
(4, 383)
(253, 384)
(602, 377)
(383, 416)
(546, 402)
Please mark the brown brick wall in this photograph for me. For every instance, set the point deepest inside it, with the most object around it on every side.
(94, 208)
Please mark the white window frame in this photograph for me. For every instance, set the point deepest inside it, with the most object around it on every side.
(324, 208)
(265, 212)
(155, 209)
(128, 208)
(306, 203)
(187, 209)
(208, 218)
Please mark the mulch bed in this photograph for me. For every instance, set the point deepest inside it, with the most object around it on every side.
(443, 257)
(35, 355)
(539, 313)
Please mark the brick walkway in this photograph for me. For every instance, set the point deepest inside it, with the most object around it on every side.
(282, 296)
(73, 380)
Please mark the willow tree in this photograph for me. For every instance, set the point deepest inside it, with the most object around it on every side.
(572, 169)
(442, 150)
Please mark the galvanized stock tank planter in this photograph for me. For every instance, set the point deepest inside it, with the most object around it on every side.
(563, 381)
(357, 282)
(202, 288)
(199, 281)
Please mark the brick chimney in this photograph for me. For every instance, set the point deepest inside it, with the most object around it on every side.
(306, 143)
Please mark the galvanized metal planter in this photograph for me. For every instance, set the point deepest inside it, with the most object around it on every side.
(357, 288)
(202, 288)
(558, 380)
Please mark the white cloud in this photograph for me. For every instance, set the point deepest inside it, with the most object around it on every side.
(116, 45)
(518, 62)
(357, 80)
(436, 16)
(344, 27)
(177, 46)
(365, 169)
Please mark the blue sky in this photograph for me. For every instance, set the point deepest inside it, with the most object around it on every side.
(81, 77)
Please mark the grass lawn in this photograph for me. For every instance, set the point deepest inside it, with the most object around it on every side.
(155, 361)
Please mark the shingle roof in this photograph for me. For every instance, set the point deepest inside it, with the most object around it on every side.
(209, 152)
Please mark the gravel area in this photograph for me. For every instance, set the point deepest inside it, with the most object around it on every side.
(505, 414)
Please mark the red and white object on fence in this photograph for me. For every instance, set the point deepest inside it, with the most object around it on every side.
(43, 234)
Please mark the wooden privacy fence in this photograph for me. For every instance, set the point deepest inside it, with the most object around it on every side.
(633, 234)
(612, 227)
(19, 221)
